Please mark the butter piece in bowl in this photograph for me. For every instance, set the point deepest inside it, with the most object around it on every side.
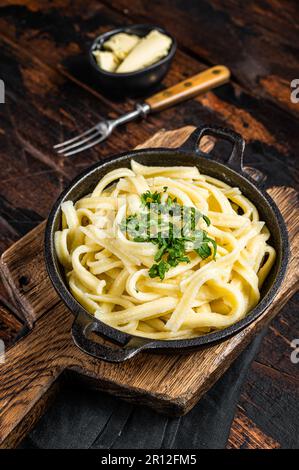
(148, 51)
(157, 52)
(121, 44)
(106, 60)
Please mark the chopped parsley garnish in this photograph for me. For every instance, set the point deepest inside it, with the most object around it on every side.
(156, 224)
(149, 198)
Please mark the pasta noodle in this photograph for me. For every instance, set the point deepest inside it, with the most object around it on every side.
(164, 252)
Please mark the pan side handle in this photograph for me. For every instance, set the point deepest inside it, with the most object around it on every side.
(235, 159)
(87, 333)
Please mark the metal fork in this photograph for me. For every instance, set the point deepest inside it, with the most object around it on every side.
(189, 88)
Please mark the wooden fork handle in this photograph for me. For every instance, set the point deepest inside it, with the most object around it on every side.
(189, 88)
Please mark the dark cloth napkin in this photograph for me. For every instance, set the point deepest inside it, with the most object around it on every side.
(81, 418)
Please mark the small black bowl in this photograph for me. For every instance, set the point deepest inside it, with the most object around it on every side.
(132, 81)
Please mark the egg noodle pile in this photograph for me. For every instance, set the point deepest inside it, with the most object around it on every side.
(164, 252)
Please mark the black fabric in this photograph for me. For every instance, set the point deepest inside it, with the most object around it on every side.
(82, 418)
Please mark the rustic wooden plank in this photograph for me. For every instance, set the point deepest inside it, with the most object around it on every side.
(31, 383)
(236, 107)
(30, 131)
(31, 419)
(276, 348)
(38, 24)
(10, 326)
(257, 40)
(172, 384)
(245, 434)
(29, 296)
(267, 395)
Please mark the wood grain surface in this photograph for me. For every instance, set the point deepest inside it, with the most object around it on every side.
(170, 383)
(51, 95)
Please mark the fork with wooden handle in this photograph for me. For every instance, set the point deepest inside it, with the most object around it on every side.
(200, 83)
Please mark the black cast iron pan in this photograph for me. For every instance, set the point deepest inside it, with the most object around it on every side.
(86, 329)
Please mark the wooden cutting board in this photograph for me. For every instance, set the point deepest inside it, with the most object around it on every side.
(170, 384)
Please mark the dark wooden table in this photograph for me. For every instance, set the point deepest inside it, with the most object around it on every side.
(50, 94)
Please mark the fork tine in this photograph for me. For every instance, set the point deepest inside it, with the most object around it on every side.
(87, 146)
(92, 135)
(62, 144)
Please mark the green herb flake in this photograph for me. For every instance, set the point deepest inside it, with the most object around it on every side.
(203, 248)
(149, 198)
(170, 238)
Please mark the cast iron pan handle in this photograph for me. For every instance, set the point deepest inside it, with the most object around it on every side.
(85, 330)
(235, 160)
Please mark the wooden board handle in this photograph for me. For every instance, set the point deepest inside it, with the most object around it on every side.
(200, 83)
(28, 374)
